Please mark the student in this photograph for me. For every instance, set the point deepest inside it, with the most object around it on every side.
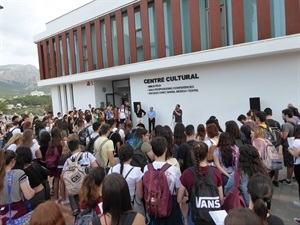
(159, 148)
(47, 213)
(260, 189)
(243, 216)
(117, 207)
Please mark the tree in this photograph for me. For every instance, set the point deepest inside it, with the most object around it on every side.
(3, 107)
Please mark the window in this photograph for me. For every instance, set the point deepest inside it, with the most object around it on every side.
(61, 57)
(94, 47)
(69, 54)
(84, 48)
(49, 59)
(138, 34)
(103, 40)
(76, 52)
(250, 14)
(126, 38)
(152, 30)
(277, 18)
(114, 40)
(203, 8)
(54, 67)
(185, 24)
(168, 27)
(228, 22)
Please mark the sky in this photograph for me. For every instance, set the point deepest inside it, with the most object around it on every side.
(21, 20)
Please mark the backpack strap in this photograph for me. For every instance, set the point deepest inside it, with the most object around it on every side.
(96, 221)
(128, 173)
(129, 217)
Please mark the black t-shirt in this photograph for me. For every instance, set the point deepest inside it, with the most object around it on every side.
(185, 154)
(178, 119)
(274, 220)
(115, 137)
(35, 173)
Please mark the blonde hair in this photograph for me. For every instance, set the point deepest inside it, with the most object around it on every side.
(27, 138)
(258, 133)
(47, 213)
(15, 139)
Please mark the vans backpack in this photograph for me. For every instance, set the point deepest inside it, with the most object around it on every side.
(52, 157)
(90, 147)
(271, 158)
(86, 216)
(234, 198)
(74, 175)
(204, 199)
(157, 195)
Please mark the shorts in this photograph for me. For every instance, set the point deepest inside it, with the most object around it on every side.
(288, 159)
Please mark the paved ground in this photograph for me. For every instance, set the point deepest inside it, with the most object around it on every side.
(282, 203)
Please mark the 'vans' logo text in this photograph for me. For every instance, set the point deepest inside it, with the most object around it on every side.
(208, 202)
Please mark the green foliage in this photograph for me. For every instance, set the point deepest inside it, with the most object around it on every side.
(3, 107)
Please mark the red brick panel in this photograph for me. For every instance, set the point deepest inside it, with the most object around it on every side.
(72, 51)
(89, 46)
(98, 43)
(52, 58)
(292, 16)
(132, 37)
(58, 57)
(41, 61)
(195, 26)
(176, 27)
(80, 48)
(145, 30)
(46, 64)
(160, 30)
(65, 52)
(263, 19)
(109, 47)
(238, 27)
(215, 24)
(120, 37)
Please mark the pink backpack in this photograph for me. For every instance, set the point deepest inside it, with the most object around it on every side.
(52, 157)
(157, 195)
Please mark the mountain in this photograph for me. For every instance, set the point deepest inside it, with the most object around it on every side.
(16, 80)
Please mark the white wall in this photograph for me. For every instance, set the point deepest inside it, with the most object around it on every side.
(100, 96)
(83, 95)
(55, 95)
(225, 89)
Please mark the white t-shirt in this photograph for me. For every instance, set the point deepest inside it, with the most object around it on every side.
(172, 174)
(15, 131)
(85, 160)
(12, 147)
(209, 143)
(296, 144)
(132, 178)
(34, 148)
(121, 132)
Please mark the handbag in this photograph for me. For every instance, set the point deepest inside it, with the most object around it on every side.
(45, 183)
(23, 220)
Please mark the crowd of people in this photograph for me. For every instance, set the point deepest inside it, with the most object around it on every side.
(113, 173)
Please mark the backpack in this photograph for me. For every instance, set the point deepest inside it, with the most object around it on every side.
(86, 216)
(52, 157)
(74, 175)
(271, 135)
(139, 159)
(234, 199)
(211, 150)
(90, 147)
(157, 195)
(8, 135)
(83, 134)
(271, 158)
(204, 199)
(295, 129)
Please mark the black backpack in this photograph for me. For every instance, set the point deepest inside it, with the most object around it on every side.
(139, 159)
(8, 135)
(204, 199)
(90, 146)
(86, 216)
(83, 135)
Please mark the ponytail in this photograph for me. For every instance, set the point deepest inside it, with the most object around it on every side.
(261, 210)
(121, 167)
(200, 151)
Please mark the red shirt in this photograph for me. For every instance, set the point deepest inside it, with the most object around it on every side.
(187, 178)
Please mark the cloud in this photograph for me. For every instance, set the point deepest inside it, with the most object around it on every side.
(20, 20)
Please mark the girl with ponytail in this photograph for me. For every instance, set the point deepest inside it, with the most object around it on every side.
(133, 176)
(90, 195)
(260, 189)
(199, 153)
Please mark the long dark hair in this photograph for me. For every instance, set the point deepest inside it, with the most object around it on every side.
(242, 216)
(200, 151)
(225, 148)
(125, 153)
(249, 161)
(233, 129)
(24, 156)
(168, 135)
(116, 197)
(55, 141)
(88, 195)
(179, 134)
(260, 189)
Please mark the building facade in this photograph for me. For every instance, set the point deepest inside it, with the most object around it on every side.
(210, 56)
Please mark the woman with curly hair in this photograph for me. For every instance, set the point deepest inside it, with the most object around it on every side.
(201, 169)
(249, 164)
(90, 195)
(133, 175)
(226, 156)
(233, 130)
